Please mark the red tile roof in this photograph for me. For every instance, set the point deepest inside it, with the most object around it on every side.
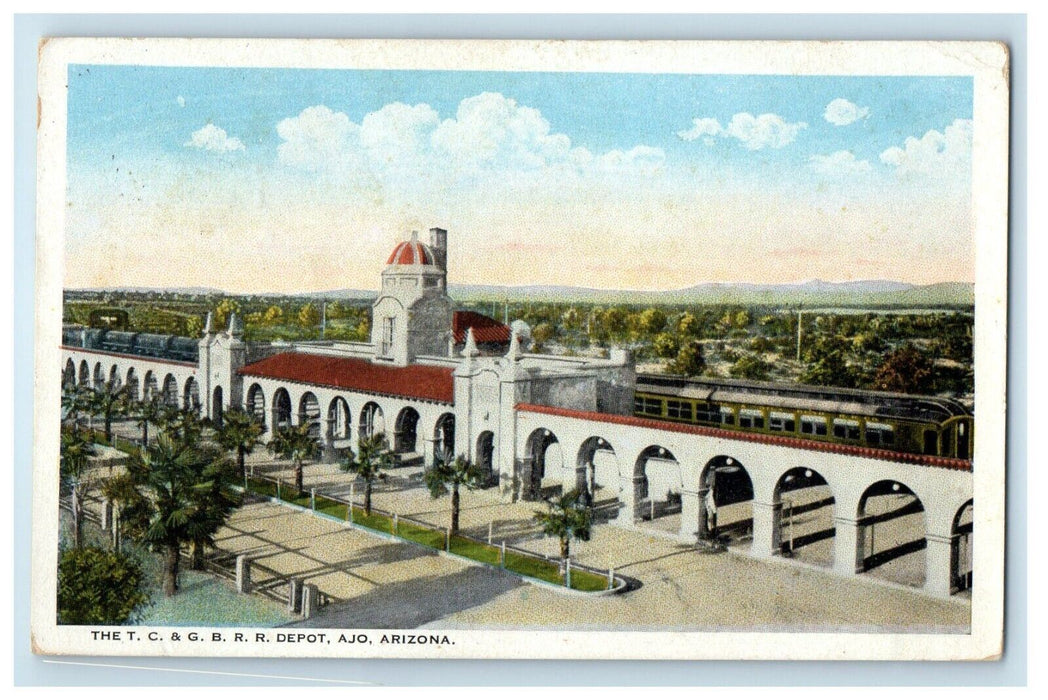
(414, 381)
(485, 328)
(410, 253)
(857, 451)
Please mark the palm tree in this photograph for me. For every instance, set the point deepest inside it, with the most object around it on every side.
(565, 518)
(456, 473)
(184, 496)
(372, 458)
(241, 432)
(147, 411)
(295, 442)
(76, 451)
(108, 401)
(183, 425)
(75, 400)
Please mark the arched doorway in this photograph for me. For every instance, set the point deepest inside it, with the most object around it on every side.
(132, 384)
(69, 374)
(256, 403)
(191, 395)
(150, 388)
(485, 456)
(99, 377)
(657, 488)
(961, 554)
(309, 413)
(444, 438)
(170, 391)
(543, 464)
(281, 409)
(725, 501)
(372, 421)
(217, 407)
(805, 519)
(114, 378)
(892, 533)
(597, 474)
(340, 424)
(405, 431)
(85, 373)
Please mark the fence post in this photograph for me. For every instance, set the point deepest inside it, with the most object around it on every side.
(491, 525)
(278, 490)
(352, 489)
(243, 574)
(447, 539)
(652, 501)
(611, 578)
(502, 555)
(396, 527)
(294, 595)
(313, 499)
(310, 600)
(567, 572)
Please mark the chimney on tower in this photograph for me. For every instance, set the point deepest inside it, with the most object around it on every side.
(438, 241)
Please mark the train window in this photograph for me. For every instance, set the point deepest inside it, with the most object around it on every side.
(931, 442)
(813, 425)
(749, 418)
(846, 429)
(727, 416)
(707, 413)
(879, 434)
(962, 441)
(678, 409)
(782, 422)
(643, 404)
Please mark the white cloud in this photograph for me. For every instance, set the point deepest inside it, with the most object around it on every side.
(489, 134)
(837, 163)
(212, 138)
(181, 101)
(316, 139)
(841, 112)
(701, 126)
(755, 133)
(765, 131)
(942, 154)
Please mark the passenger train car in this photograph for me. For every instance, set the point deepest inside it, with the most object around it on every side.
(925, 425)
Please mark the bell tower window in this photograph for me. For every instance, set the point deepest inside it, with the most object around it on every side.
(389, 329)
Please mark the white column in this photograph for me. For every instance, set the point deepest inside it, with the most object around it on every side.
(767, 536)
(692, 516)
(848, 546)
(937, 565)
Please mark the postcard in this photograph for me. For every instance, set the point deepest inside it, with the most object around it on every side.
(520, 349)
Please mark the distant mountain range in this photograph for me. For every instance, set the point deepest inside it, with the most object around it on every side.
(811, 293)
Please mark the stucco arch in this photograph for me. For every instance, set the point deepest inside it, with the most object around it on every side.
(658, 480)
(150, 386)
(170, 391)
(309, 413)
(405, 431)
(281, 409)
(543, 459)
(893, 529)
(372, 420)
(191, 395)
(806, 524)
(340, 419)
(725, 500)
(256, 402)
(598, 475)
(132, 384)
(114, 377)
(84, 378)
(961, 569)
(444, 437)
(99, 376)
(69, 374)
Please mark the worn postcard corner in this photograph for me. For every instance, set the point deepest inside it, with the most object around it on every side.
(497, 349)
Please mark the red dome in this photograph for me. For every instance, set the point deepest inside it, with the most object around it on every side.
(411, 253)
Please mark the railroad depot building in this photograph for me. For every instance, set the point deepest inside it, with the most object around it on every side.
(805, 473)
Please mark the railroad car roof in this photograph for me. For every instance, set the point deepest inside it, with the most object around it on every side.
(878, 404)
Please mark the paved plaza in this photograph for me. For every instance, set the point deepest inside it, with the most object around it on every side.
(377, 582)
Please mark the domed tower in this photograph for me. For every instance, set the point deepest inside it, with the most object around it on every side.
(412, 315)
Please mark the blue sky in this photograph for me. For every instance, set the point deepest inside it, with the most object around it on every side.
(764, 178)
